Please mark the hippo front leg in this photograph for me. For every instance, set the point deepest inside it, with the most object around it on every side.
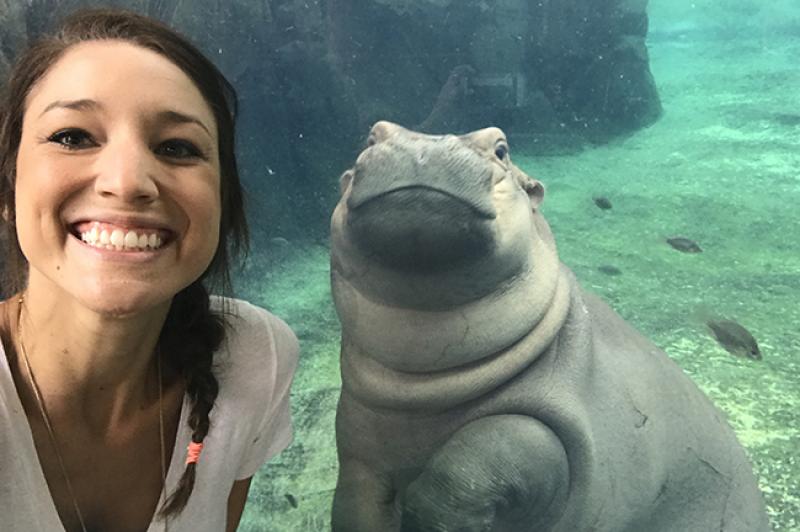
(498, 473)
(363, 500)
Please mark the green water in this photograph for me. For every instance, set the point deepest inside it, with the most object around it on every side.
(722, 167)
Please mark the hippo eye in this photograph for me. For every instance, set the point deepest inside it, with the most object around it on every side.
(371, 141)
(501, 151)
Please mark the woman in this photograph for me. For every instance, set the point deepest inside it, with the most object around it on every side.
(119, 187)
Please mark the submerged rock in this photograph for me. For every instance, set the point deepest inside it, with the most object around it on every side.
(553, 73)
(735, 338)
(587, 66)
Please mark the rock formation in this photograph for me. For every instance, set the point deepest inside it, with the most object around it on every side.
(314, 75)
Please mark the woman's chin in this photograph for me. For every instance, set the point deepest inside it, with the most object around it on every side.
(120, 302)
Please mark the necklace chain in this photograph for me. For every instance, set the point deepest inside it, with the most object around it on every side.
(51, 433)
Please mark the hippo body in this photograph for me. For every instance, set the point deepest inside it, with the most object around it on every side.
(482, 388)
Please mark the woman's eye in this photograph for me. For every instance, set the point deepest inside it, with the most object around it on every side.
(72, 139)
(178, 149)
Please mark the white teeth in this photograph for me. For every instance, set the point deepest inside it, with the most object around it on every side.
(131, 240)
(119, 239)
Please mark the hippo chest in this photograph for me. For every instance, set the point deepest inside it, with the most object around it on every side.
(637, 435)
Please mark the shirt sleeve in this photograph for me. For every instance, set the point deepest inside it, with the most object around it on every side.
(274, 433)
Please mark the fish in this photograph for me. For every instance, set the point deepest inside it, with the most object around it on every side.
(609, 270)
(787, 119)
(292, 500)
(735, 338)
(684, 244)
(602, 202)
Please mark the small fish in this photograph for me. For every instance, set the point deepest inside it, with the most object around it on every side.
(684, 244)
(602, 202)
(735, 338)
(279, 242)
(609, 270)
(787, 119)
(292, 500)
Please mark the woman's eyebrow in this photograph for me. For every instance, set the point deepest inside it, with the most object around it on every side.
(86, 104)
(175, 117)
(79, 105)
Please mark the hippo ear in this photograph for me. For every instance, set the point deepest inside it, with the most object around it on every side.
(534, 189)
(345, 180)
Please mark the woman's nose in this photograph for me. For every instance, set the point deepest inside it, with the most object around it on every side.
(127, 170)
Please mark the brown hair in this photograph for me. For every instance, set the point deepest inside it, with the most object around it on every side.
(192, 332)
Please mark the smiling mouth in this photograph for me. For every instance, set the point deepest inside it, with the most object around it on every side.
(106, 236)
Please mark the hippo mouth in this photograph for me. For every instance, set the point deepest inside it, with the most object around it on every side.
(420, 228)
(405, 195)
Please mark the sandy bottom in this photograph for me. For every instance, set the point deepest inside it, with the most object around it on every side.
(722, 167)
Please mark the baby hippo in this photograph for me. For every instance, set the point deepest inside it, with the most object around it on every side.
(482, 388)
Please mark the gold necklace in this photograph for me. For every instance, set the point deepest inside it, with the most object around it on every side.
(51, 433)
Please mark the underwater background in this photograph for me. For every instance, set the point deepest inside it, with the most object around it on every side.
(703, 144)
(721, 166)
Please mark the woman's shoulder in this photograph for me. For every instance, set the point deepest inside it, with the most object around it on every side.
(246, 319)
(257, 344)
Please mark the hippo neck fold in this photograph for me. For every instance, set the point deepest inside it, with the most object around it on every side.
(372, 382)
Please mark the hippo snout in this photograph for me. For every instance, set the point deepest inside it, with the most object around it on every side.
(421, 203)
(434, 170)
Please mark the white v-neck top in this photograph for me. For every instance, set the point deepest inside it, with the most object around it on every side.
(250, 423)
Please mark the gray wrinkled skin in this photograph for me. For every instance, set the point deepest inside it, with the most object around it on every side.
(483, 389)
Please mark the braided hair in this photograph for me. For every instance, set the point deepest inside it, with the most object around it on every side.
(190, 335)
(192, 331)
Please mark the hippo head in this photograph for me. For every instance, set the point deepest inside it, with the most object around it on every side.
(433, 221)
(425, 203)
(439, 254)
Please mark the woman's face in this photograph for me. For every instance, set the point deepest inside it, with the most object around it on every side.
(118, 179)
